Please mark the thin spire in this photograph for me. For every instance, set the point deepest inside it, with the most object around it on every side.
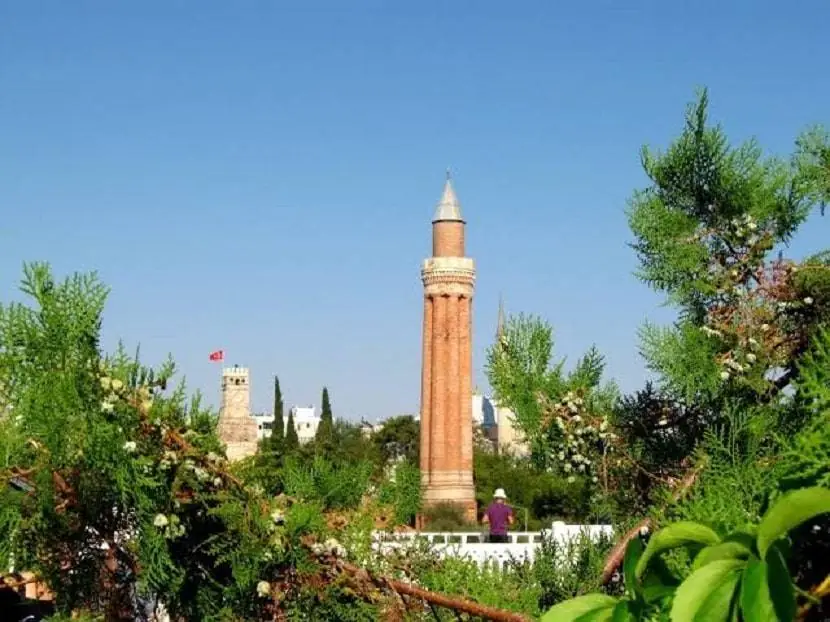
(500, 321)
(448, 207)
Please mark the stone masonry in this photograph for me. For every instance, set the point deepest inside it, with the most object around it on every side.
(446, 384)
(237, 428)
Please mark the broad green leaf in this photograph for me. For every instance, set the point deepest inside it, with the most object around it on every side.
(622, 613)
(792, 509)
(707, 593)
(780, 584)
(767, 594)
(658, 582)
(735, 546)
(573, 610)
(722, 603)
(653, 593)
(756, 604)
(633, 552)
(674, 536)
(598, 615)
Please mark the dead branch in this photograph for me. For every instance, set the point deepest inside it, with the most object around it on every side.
(819, 592)
(454, 603)
(617, 554)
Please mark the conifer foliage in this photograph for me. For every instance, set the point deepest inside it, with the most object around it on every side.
(292, 441)
(325, 430)
(278, 431)
(114, 489)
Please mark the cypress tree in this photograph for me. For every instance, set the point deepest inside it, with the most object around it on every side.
(325, 431)
(292, 442)
(278, 431)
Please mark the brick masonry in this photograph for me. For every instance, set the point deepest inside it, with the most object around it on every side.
(446, 380)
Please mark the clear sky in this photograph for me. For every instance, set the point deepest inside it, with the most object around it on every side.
(260, 176)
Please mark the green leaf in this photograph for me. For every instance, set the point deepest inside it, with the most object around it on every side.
(735, 546)
(633, 552)
(573, 610)
(767, 594)
(792, 509)
(622, 613)
(674, 536)
(659, 581)
(707, 593)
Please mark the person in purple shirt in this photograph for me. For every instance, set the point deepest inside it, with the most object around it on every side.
(498, 516)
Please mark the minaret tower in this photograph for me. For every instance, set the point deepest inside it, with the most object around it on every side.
(446, 383)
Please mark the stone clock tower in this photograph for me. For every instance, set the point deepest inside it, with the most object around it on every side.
(236, 427)
(446, 383)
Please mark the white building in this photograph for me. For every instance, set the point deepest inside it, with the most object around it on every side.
(306, 422)
(264, 425)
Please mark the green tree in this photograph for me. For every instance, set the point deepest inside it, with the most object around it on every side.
(324, 437)
(292, 442)
(398, 439)
(564, 416)
(707, 230)
(271, 455)
(278, 431)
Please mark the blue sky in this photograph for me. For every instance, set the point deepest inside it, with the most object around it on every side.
(260, 176)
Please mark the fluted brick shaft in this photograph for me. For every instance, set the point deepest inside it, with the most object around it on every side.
(446, 379)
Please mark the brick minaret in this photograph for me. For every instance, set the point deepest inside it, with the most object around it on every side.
(236, 428)
(446, 382)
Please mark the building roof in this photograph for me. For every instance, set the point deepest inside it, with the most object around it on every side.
(448, 207)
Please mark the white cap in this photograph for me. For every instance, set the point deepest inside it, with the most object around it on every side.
(499, 494)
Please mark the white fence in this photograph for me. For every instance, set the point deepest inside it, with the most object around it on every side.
(474, 546)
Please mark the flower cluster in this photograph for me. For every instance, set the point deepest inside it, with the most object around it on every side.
(760, 327)
(329, 547)
(170, 525)
(580, 434)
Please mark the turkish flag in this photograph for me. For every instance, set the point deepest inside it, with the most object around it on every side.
(217, 356)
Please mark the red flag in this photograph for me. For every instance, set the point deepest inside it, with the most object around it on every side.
(219, 355)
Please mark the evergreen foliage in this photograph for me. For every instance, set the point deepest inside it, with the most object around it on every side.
(324, 437)
(278, 431)
(292, 441)
(564, 416)
(398, 439)
(705, 233)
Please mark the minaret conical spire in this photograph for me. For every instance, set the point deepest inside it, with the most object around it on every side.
(448, 207)
(500, 320)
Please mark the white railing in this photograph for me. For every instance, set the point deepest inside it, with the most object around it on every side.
(521, 546)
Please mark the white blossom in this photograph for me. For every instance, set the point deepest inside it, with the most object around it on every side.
(662, 422)
(160, 520)
(808, 300)
(263, 589)
(130, 446)
(724, 375)
(571, 479)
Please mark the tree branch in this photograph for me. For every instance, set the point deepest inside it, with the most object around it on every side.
(454, 603)
(617, 554)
